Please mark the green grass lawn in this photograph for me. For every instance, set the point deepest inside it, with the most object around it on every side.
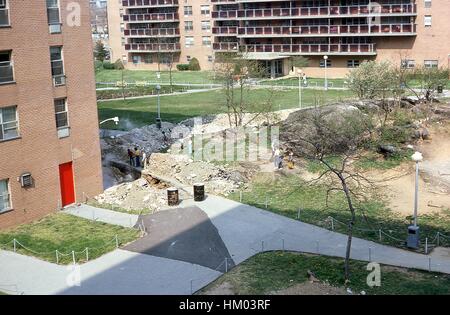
(175, 108)
(198, 77)
(268, 272)
(286, 194)
(66, 233)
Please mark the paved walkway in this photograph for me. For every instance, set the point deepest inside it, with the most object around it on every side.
(103, 215)
(244, 231)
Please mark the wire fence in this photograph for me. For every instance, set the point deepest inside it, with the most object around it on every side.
(393, 237)
(61, 257)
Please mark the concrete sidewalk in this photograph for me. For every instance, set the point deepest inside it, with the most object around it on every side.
(119, 272)
(247, 230)
(103, 215)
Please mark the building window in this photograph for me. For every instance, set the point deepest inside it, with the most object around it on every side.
(322, 63)
(427, 20)
(206, 41)
(189, 41)
(9, 125)
(188, 58)
(206, 25)
(408, 64)
(6, 67)
(148, 58)
(57, 62)
(352, 63)
(4, 13)
(5, 198)
(54, 20)
(210, 58)
(431, 63)
(136, 60)
(188, 26)
(205, 10)
(62, 117)
(187, 10)
(427, 3)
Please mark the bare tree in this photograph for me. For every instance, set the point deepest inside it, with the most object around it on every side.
(324, 133)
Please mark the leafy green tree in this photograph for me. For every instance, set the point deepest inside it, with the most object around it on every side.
(100, 51)
(194, 65)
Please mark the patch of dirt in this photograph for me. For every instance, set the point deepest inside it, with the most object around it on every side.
(311, 288)
(225, 288)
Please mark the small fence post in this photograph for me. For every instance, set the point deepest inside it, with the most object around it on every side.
(298, 213)
(87, 254)
(380, 235)
(429, 264)
(437, 239)
(426, 246)
(73, 257)
(57, 257)
(117, 241)
(14, 241)
(240, 196)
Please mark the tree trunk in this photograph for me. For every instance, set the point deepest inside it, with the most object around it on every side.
(350, 227)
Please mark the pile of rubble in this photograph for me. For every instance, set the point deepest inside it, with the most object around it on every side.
(144, 195)
(217, 179)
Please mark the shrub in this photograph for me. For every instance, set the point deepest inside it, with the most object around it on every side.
(183, 67)
(98, 65)
(108, 65)
(194, 65)
(118, 65)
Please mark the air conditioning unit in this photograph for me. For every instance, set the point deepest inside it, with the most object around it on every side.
(26, 180)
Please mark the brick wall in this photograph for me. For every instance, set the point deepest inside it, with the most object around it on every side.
(39, 150)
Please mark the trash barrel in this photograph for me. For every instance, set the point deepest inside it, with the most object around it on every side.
(173, 197)
(440, 89)
(199, 192)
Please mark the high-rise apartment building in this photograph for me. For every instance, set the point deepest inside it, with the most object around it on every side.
(49, 138)
(347, 32)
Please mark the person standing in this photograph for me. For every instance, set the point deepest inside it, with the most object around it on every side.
(144, 159)
(131, 157)
(137, 154)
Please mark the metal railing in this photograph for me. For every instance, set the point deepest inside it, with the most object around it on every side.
(137, 3)
(6, 72)
(153, 47)
(151, 17)
(153, 32)
(311, 48)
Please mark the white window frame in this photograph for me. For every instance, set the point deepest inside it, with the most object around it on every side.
(8, 196)
(6, 9)
(54, 28)
(59, 79)
(427, 20)
(2, 123)
(430, 64)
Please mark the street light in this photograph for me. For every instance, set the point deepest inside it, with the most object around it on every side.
(158, 119)
(413, 230)
(116, 120)
(299, 72)
(325, 58)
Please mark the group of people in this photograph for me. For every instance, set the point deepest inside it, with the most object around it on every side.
(137, 158)
(279, 157)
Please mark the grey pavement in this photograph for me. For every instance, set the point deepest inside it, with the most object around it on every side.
(244, 230)
(103, 215)
(118, 272)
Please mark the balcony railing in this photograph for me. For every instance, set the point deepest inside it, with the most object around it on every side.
(226, 46)
(152, 32)
(153, 47)
(6, 72)
(150, 17)
(4, 17)
(143, 3)
(327, 30)
(392, 9)
(227, 30)
(312, 48)
(232, 14)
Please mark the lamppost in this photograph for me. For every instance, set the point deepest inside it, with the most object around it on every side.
(158, 119)
(325, 59)
(116, 120)
(413, 230)
(299, 72)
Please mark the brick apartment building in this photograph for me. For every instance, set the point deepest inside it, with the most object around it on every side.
(346, 31)
(49, 138)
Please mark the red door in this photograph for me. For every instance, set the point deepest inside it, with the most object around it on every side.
(67, 184)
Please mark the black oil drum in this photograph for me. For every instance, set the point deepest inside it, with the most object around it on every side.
(199, 192)
(173, 197)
